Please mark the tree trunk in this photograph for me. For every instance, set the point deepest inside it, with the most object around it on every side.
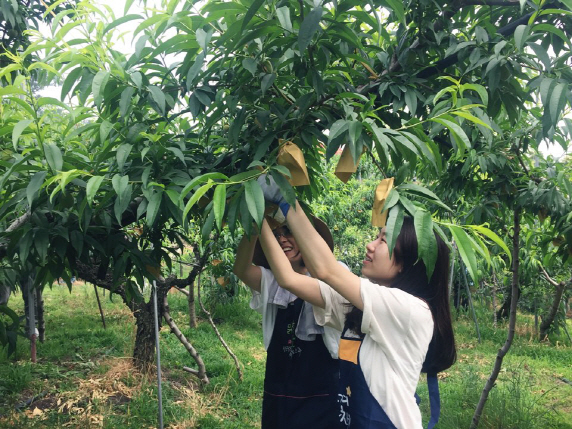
(548, 320)
(504, 311)
(494, 299)
(511, 326)
(144, 349)
(4, 294)
(40, 313)
(191, 303)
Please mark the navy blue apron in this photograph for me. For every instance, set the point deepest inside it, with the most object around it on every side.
(358, 408)
(301, 380)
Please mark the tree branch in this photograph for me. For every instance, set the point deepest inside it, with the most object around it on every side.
(201, 373)
(221, 339)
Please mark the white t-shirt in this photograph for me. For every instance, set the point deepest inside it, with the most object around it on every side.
(398, 328)
(260, 302)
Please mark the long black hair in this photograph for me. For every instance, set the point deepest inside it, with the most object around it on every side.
(413, 280)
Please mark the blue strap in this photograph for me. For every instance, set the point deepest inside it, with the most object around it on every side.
(284, 207)
(434, 400)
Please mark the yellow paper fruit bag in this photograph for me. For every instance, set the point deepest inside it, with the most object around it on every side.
(378, 218)
(291, 157)
(346, 165)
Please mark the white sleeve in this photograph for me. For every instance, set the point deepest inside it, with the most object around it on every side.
(259, 303)
(334, 312)
(395, 319)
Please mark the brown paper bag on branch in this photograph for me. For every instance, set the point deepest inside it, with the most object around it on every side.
(378, 218)
(291, 157)
(346, 165)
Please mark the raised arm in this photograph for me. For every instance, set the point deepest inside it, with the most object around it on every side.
(320, 260)
(302, 286)
(251, 275)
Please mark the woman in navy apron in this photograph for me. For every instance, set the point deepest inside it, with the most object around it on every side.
(302, 369)
(396, 323)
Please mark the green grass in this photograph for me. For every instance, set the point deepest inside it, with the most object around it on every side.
(86, 379)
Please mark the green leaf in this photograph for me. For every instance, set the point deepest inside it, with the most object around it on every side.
(153, 207)
(76, 239)
(137, 79)
(122, 154)
(391, 200)
(354, 131)
(119, 183)
(397, 8)
(407, 205)
(178, 153)
(42, 243)
(494, 237)
(309, 26)
(219, 202)
(69, 81)
(254, 201)
(203, 38)
(465, 247)
(92, 187)
(245, 175)
(267, 81)
(194, 70)
(200, 179)
(427, 244)
(158, 97)
(53, 156)
(337, 128)
(393, 226)
(520, 36)
(196, 196)
(551, 29)
(471, 118)
(251, 12)
(104, 130)
(125, 102)
(417, 189)
(456, 130)
(557, 101)
(479, 89)
(17, 131)
(120, 21)
(34, 186)
(24, 245)
(251, 65)
(285, 187)
(207, 227)
(98, 85)
(283, 14)
(568, 3)
(411, 101)
(542, 55)
(44, 101)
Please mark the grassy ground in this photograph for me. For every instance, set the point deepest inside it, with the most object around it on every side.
(84, 376)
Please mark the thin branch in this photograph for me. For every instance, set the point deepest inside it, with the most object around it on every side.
(548, 278)
(221, 339)
(19, 222)
(201, 372)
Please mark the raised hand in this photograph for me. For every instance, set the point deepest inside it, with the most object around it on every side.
(272, 192)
